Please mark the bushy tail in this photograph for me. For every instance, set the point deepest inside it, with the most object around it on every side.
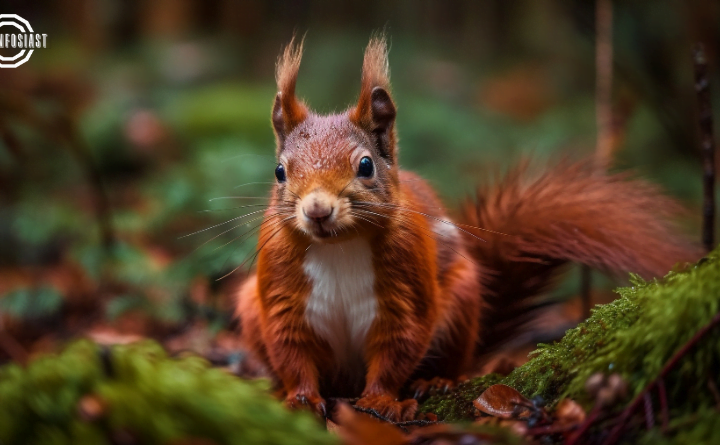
(568, 214)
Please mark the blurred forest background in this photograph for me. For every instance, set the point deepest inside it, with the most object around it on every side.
(118, 138)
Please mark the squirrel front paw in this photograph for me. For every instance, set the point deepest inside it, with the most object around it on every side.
(390, 407)
(312, 402)
(434, 386)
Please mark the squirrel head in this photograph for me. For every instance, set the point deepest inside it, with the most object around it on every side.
(339, 172)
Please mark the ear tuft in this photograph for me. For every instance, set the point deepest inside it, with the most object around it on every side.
(288, 65)
(375, 111)
(288, 112)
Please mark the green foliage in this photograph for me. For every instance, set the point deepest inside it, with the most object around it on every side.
(145, 394)
(634, 336)
(31, 303)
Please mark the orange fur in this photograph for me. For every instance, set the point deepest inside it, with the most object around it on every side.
(570, 213)
(288, 111)
(442, 296)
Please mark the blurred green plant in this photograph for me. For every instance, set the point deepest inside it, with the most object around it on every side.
(93, 396)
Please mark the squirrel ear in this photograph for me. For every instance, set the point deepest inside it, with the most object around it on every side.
(288, 112)
(375, 111)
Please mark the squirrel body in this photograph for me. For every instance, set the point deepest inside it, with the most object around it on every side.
(364, 283)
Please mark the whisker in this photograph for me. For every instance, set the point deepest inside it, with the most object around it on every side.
(407, 221)
(294, 194)
(252, 183)
(235, 227)
(256, 227)
(246, 206)
(223, 223)
(259, 249)
(254, 230)
(238, 197)
(365, 219)
(404, 209)
(346, 186)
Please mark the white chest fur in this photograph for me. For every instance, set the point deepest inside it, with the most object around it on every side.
(342, 304)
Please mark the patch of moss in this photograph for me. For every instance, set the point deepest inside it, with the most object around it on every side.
(144, 395)
(553, 366)
(457, 405)
(634, 336)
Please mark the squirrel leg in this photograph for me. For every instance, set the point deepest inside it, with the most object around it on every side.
(294, 355)
(393, 353)
(248, 312)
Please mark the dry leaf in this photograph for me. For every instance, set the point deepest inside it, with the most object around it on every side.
(360, 429)
(569, 412)
(504, 402)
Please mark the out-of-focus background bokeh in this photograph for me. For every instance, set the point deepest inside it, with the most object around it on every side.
(118, 139)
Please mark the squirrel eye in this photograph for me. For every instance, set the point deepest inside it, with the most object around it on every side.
(366, 167)
(280, 173)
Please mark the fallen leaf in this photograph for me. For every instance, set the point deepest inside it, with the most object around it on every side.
(360, 429)
(569, 412)
(504, 402)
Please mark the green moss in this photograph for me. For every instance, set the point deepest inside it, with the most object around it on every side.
(458, 405)
(147, 395)
(553, 366)
(633, 336)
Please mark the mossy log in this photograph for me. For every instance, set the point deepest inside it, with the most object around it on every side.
(633, 336)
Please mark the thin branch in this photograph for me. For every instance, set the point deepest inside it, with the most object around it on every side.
(707, 145)
(379, 416)
(665, 415)
(649, 411)
(603, 81)
(603, 116)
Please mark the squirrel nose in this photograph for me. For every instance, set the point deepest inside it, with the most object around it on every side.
(318, 211)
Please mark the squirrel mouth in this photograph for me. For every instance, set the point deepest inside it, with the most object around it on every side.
(320, 232)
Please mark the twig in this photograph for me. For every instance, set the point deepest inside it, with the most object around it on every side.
(630, 410)
(603, 115)
(603, 81)
(418, 423)
(707, 145)
(649, 417)
(379, 416)
(663, 405)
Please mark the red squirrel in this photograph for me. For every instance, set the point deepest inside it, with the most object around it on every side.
(364, 283)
